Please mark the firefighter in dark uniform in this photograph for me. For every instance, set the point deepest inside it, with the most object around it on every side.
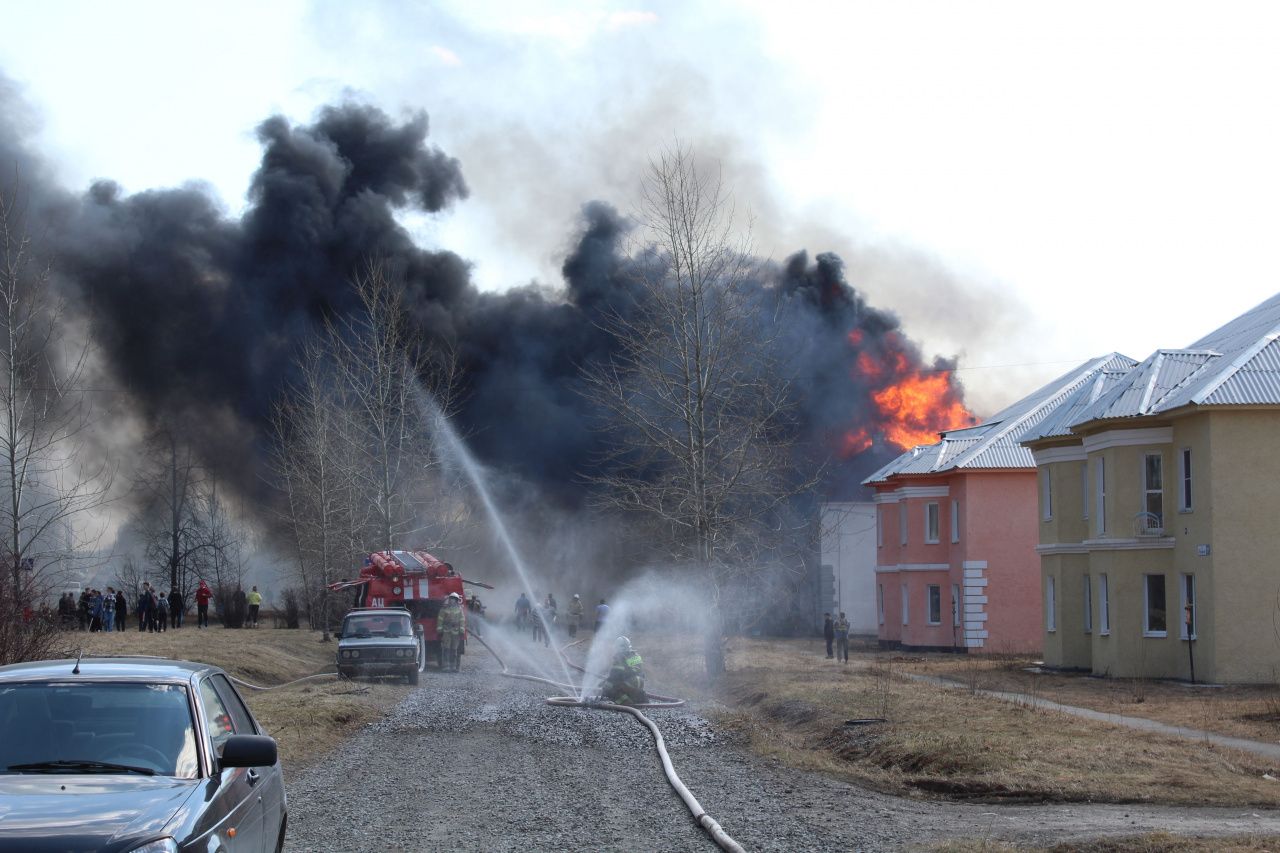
(449, 627)
(625, 682)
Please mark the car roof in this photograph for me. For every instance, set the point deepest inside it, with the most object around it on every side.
(378, 611)
(140, 667)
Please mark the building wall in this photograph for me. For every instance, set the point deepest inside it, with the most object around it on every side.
(849, 547)
(1240, 603)
(987, 580)
(999, 546)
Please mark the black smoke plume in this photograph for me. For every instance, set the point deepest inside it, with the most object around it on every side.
(198, 315)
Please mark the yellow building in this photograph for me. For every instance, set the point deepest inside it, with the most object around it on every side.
(1159, 512)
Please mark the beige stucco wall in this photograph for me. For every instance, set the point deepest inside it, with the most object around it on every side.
(1242, 607)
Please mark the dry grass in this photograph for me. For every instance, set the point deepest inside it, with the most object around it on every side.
(1157, 842)
(791, 703)
(307, 719)
(1246, 711)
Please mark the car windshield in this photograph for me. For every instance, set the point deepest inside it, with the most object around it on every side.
(97, 727)
(377, 625)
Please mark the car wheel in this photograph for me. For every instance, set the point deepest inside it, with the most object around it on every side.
(412, 677)
(284, 822)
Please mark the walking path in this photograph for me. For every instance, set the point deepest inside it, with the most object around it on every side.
(1257, 747)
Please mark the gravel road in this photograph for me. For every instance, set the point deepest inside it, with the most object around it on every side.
(475, 761)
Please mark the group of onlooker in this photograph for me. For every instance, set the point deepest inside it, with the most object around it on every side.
(96, 610)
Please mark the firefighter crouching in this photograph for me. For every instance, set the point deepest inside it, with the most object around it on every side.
(625, 682)
(449, 627)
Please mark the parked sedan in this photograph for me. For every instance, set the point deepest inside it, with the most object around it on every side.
(136, 755)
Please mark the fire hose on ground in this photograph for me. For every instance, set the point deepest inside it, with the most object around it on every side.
(700, 816)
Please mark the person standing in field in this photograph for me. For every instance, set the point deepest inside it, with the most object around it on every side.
(575, 615)
(254, 598)
(176, 605)
(842, 638)
(602, 613)
(162, 612)
(203, 594)
(146, 609)
(122, 610)
(109, 610)
(828, 633)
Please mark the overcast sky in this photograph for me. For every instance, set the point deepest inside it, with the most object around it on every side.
(1027, 184)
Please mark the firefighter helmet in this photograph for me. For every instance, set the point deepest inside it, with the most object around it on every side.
(623, 644)
(455, 596)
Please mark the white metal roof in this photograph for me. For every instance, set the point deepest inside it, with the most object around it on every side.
(1237, 364)
(995, 443)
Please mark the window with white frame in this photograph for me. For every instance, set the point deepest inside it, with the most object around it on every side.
(880, 602)
(1100, 495)
(1046, 493)
(1153, 489)
(1088, 604)
(905, 604)
(1050, 604)
(933, 598)
(1155, 616)
(880, 526)
(902, 522)
(955, 604)
(955, 521)
(1084, 490)
(1188, 607)
(932, 521)
(1104, 606)
(1184, 475)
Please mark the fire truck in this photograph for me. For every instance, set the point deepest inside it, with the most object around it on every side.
(414, 580)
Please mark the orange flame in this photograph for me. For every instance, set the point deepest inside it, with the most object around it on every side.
(855, 338)
(918, 407)
(854, 442)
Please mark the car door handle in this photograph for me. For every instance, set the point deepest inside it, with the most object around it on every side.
(252, 776)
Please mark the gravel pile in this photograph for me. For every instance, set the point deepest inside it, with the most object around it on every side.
(475, 761)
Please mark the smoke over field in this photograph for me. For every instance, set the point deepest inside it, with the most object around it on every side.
(196, 316)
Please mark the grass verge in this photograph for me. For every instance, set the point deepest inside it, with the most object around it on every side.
(792, 704)
(307, 719)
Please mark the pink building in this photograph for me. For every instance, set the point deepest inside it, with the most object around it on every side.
(956, 533)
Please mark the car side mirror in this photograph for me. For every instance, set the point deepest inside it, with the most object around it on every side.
(248, 751)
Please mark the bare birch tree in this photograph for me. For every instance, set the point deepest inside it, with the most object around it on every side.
(697, 406)
(50, 484)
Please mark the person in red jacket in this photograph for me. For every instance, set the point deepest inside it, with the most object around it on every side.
(203, 594)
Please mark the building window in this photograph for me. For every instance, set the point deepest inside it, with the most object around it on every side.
(1084, 490)
(880, 602)
(932, 521)
(955, 521)
(1088, 605)
(880, 526)
(1188, 607)
(1184, 496)
(904, 604)
(1046, 493)
(934, 593)
(1153, 490)
(902, 522)
(1100, 495)
(1104, 606)
(955, 604)
(1154, 615)
(1050, 605)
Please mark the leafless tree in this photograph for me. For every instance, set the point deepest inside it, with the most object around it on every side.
(384, 370)
(354, 453)
(50, 485)
(697, 402)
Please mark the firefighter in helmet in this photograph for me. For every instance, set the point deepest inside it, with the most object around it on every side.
(625, 682)
(449, 627)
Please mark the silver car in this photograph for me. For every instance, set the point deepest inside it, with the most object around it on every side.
(380, 641)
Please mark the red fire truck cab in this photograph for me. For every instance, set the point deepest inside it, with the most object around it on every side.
(414, 580)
